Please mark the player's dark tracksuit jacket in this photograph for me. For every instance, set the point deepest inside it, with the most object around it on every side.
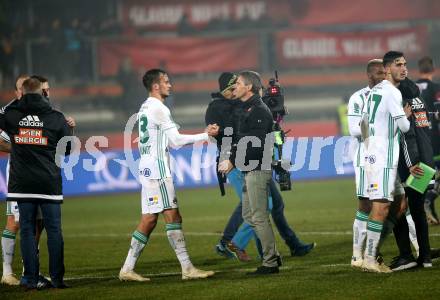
(415, 147)
(416, 143)
(34, 129)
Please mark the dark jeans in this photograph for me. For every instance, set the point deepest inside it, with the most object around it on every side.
(52, 222)
(277, 213)
(415, 202)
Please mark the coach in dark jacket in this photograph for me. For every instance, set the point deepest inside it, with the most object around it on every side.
(415, 147)
(35, 179)
(253, 156)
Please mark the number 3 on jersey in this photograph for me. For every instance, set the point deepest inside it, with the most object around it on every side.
(143, 132)
(375, 100)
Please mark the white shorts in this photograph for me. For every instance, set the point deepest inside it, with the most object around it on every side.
(361, 182)
(12, 210)
(383, 183)
(158, 195)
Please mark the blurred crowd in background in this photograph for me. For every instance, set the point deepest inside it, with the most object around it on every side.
(94, 52)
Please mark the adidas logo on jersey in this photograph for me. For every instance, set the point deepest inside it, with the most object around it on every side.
(417, 104)
(31, 121)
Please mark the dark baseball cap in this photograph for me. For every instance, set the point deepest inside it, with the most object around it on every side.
(226, 81)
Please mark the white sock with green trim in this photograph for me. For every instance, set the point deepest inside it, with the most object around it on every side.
(177, 242)
(8, 249)
(359, 233)
(138, 242)
(412, 231)
(374, 229)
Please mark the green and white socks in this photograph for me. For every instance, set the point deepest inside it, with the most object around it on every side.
(359, 233)
(177, 242)
(175, 238)
(374, 229)
(8, 249)
(137, 244)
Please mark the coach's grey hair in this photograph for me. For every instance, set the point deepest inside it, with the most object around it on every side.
(252, 78)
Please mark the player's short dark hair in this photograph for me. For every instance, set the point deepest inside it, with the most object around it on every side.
(151, 77)
(372, 63)
(252, 78)
(22, 76)
(391, 56)
(31, 86)
(426, 65)
(40, 78)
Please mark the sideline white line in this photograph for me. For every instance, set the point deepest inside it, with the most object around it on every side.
(190, 233)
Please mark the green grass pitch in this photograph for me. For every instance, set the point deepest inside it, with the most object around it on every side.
(97, 233)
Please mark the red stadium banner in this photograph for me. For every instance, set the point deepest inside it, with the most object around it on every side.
(180, 55)
(309, 48)
(325, 12)
(172, 14)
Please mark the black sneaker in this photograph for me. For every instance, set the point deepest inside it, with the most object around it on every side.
(424, 262)
(435, 253)
(43, 283)
(263, 270)
(403, 263)
(221, 250)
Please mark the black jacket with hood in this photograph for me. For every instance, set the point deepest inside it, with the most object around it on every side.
(34, 129)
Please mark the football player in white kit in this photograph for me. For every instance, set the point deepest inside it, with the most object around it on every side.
(375, 74)
(356, 104)
(386, 118)
(157, 131)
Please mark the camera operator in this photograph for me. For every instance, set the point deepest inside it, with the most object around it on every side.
(224, 111)
(255, 127)
(416, 147)
(430, 93)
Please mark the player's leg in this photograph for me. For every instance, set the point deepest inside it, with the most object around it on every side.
(361, 217)
(397, 209)
(139, 240)
(151, 207)
(173, 226)
(8, 243)
(381, 182)
(177, 241)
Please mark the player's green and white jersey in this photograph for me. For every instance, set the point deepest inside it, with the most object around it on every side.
(154, 121)
(355, 108)
(384, 107)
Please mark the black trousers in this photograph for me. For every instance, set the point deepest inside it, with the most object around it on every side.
(401, 231)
